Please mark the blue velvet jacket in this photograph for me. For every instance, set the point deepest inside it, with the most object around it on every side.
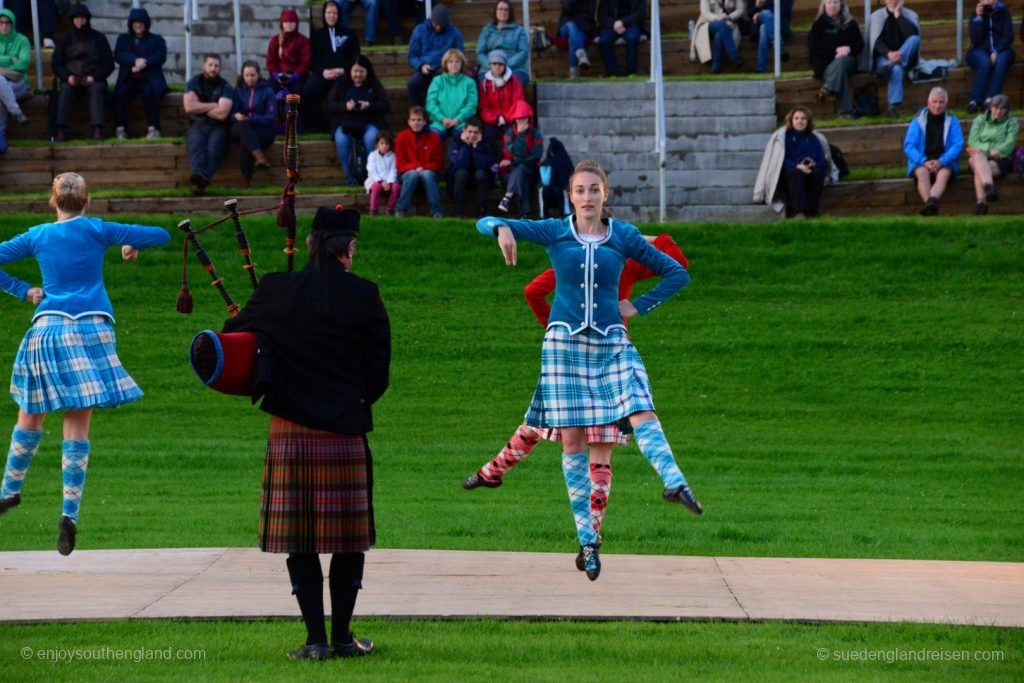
(587, 273)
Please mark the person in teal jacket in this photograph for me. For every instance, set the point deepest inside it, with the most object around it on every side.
(990, 150)
(591, 374)
(452, 96)
(933, 144)
(15, 53)
(503, 33)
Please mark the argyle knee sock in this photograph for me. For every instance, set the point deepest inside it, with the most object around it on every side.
(517, 448)
(577, 483)
(73, 464)
(24, 444)
(651, 440)
(600, 487)
(345, 581)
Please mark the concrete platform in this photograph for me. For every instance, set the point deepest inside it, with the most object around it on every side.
(215, 583)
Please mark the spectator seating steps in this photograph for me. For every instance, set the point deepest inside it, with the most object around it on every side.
(899, 196)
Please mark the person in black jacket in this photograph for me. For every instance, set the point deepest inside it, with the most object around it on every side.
(82, 61)
(358, 106)
(140, 56)
(835, 44)
(576, 25)
(324, 359)
(621, 19)
(333, 48)
(471, 161)
(991, 53)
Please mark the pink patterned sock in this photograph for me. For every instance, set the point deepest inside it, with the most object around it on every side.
(517, 448)
(600, 488)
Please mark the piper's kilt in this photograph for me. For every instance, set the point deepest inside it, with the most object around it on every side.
(588, 379)
(595, 434)
(70, 364)
(317, 491)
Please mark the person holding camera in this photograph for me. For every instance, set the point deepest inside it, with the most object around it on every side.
(991, 53)
(795, 168)
(358, 106)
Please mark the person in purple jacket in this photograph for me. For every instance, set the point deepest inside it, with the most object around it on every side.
(68, 358)
(253, 120)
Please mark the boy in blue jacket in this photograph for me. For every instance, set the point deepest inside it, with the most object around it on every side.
(471, 162)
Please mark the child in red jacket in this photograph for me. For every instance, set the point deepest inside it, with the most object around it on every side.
(420, 156)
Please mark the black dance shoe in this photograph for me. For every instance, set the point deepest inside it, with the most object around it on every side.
(591, 561)
(10, 502)
(683, 494)
(66, 539)
(579, 555)
(359, 647)
(316, 651)
(477, 479)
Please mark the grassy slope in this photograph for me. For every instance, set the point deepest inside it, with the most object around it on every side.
(831, 388)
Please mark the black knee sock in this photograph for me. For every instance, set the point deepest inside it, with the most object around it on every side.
(345, 581)
(308, 588)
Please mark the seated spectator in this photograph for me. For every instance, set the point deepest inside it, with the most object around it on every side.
(419, 157)
(333, 48)
(894, 40)
(716, 33)
(451, 98)
(372, 9)
(761, 15)
(288, 59)
(358, 106)
(933, 144)
(795, 168)
(499, 90)
(576, 25)
(208, 101)
(991, 53)
(521, 152)
(428, 44)
(471, 161)
(624, 19)
(990, 149)
(15, 53)
(82, 61)
(140, 56)
(503, 33)
(382, 174)
(254, 120)
(835, 45)
(47, 18)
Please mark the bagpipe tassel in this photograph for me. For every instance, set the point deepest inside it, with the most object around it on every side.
(184, 300)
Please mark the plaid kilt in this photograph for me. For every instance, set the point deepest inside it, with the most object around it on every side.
(595, 434)
(317, 491)
(588, 379)
(66, 364)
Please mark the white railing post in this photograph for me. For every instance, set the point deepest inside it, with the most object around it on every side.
(529, 36)
(187, 23)
(657, 77)
(37, 42)
(778, 38)
(959, 31)
(238, 37)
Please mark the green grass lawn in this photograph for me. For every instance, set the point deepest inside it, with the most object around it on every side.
(830, 388)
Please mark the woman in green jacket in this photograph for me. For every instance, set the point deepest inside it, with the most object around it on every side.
(452, 96)
(15, 52)
(990, 150)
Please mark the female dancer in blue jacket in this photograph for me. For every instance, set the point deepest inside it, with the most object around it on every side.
(590, 372)
(67, 359)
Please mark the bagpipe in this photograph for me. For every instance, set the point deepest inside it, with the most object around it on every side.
(224, 361)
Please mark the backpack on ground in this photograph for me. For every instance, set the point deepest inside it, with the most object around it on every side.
(555, 170)
(839, 159)
(1017, 165)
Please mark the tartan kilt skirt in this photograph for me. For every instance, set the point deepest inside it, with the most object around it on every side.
(70, 364)
(317, 492)
(595, 434)
(588, 379)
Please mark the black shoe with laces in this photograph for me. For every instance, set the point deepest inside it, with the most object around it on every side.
(477, 479)
(591, 561)
(503, 204)
(316, 651)
(66, 539)
(359, 647)
(579, 556)
(683, 495)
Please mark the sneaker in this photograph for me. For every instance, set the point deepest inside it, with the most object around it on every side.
(990, 192)
(10, 502)
(152, 133)
(503, 204)
(66, 539)
(824, 93)
(683, 495)
(972, 107)
(892, 112)
(981, 209)
(582, 58)
(477, 479)
(574, 72)
(359, 647)
(120, 133)
(401, 214)
(21, 118)
(931, 207)
(48, 44)
(198, 178)
(316, 651)
(591, 561)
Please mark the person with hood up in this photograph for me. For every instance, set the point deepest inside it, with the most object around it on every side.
(288, 55)
(15, 53)
(140, 56)
(428, 44)
(82, 61)
(333, 48)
